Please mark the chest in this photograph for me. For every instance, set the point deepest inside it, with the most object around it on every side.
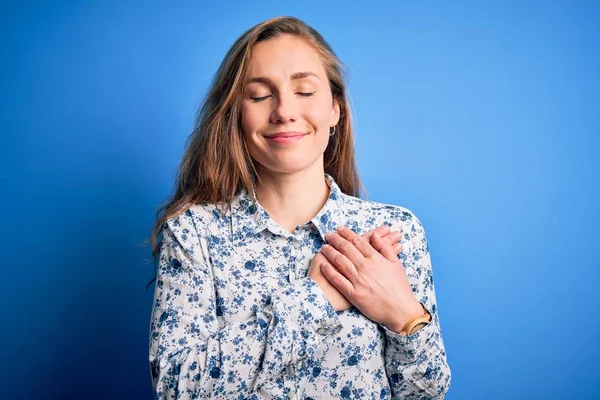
(247, 273)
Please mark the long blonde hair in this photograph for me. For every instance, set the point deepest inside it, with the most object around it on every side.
(216, 164)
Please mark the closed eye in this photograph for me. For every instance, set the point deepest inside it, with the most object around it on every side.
(255, 99)
(305, 94)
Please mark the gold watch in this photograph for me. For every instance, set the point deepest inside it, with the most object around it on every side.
(417, 323)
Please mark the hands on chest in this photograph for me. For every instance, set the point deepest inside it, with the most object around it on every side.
(364, 271)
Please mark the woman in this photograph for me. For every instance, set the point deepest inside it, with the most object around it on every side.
(274, 279)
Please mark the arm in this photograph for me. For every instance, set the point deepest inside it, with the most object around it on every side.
(416, 364)
(192, 357)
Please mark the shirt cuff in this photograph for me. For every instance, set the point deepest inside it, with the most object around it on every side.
(408, 348)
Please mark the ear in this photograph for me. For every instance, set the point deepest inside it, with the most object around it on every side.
(335, 113)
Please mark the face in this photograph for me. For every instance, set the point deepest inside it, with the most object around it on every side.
(288, 107)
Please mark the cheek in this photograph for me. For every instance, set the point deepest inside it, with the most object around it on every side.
(320, 111)
(319, 118)
(249, 122)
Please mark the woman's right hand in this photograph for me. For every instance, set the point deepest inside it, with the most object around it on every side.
(337, 300)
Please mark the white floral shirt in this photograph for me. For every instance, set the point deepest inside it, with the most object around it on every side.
(235, 316)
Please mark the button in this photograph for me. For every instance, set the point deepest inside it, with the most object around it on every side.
(297, 245)
(291, 370)
(321, 331)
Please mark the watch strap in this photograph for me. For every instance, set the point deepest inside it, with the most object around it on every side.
(416, 323)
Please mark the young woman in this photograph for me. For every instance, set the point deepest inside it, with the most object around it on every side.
(275, 280)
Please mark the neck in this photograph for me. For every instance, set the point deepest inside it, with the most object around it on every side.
(292, 199)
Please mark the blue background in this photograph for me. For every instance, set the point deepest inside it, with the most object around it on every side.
(482, 118)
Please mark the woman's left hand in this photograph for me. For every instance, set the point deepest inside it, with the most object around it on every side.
(370, 275)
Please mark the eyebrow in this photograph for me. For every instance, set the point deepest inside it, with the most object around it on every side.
(294, 76)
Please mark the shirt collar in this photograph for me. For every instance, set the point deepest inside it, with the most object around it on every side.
(248, 219)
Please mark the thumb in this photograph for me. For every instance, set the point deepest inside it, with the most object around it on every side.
(384, 248)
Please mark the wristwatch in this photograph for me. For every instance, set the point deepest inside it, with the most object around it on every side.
(417, 323)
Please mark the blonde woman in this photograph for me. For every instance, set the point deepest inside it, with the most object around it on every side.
(275, 280)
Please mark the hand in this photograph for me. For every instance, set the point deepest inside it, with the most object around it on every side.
(371, 277)
(337, 300)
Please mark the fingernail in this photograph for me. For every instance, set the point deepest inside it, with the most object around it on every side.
(386, 228)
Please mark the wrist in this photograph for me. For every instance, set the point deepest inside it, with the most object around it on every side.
(417, 310)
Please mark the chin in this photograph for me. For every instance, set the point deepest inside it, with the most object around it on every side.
(287, 167)
(287, 162)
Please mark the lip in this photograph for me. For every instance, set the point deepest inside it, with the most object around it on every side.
(285, 134)
(286, 137)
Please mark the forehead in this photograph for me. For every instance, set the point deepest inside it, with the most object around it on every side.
(280, 57)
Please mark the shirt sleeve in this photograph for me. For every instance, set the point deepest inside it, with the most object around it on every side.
(192, 355)
(416, 364)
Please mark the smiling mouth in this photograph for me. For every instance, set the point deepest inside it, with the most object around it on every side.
(286, 137)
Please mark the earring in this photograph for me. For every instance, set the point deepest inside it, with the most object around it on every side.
(332, 133)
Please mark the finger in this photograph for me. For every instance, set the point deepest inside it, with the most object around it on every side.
(337, 279)
(346, 247)
(357, 241)
(397, 248)
(385, 233)
(392, 237)
(383, 230)
(385, 249)
(340, 261)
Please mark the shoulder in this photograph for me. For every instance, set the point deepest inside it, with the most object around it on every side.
(191, 228)
(197, 219)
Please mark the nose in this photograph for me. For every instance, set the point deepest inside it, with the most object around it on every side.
(285, 109)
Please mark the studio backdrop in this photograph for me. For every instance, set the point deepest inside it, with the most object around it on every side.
(480, 117)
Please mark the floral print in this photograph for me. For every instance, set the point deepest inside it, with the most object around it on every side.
(236, 317)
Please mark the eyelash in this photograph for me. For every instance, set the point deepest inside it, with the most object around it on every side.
(257, 99)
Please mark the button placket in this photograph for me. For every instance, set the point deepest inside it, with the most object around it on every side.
(298, 257)
(292, 265)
